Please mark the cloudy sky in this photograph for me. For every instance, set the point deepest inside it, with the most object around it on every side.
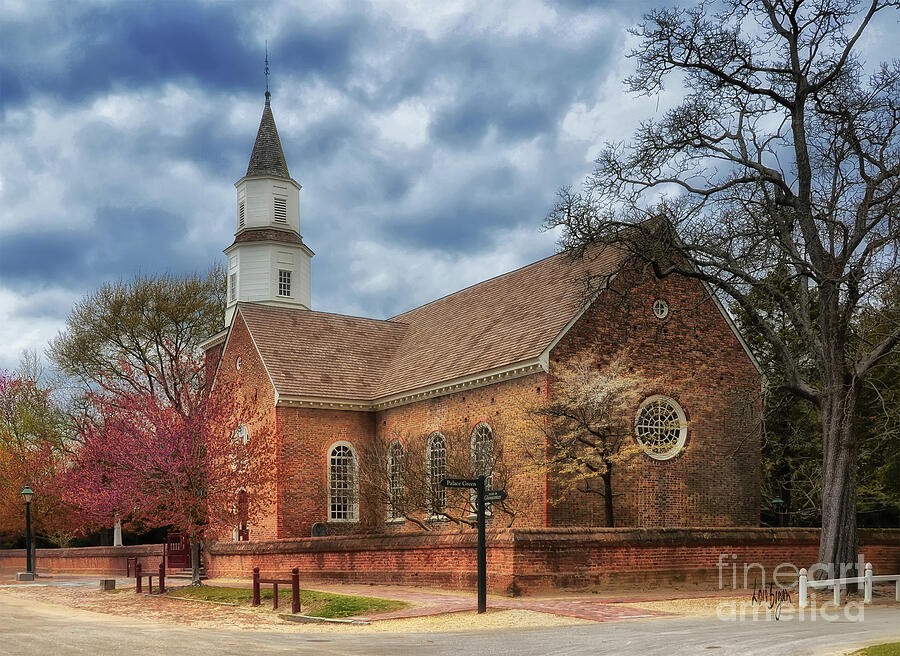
(430, 139)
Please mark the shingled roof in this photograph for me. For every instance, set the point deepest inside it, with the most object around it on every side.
(510, 319)
(267, 157)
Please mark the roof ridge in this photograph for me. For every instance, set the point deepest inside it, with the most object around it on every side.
(320, 312)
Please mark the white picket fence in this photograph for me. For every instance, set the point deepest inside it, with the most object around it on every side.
(867, 580)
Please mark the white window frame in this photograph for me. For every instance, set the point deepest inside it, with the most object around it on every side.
(240, 437)
(232, 287)
(640, 426)
(284, 282)
(436, 490)
(395, 468)
(352, 497)
(479, 429)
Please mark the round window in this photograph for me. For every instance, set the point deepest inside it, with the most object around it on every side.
(660, 427)
(660, 308)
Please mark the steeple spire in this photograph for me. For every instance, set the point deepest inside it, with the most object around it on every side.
(268, 95)
(267, 157)
(268, 262)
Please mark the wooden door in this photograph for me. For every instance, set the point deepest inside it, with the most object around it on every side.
(178, 551)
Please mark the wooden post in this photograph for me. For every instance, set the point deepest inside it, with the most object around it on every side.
(162, 577)
(837, 592)
(803, 582)
(295, 590)
(137, 573)
(255, 601)
(274, 596)
(867, 594)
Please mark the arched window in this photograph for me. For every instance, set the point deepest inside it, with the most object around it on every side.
(240, 438)
(436, 462)
(482, 459)
(483, 452)
(243, 515)
(343, 484)
(396, 464)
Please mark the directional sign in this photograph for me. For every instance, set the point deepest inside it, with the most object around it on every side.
(460, 482)
(492, 496)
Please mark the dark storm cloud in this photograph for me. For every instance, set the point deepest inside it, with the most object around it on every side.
(122, 242)
(91, 49)
(324, 48)
(521, 87)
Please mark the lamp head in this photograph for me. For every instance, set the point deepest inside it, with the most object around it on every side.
(27, 493)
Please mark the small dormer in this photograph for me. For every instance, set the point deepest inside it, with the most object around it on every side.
(268, 261)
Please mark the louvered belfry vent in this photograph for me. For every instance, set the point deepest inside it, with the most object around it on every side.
(280, 210)
(241, 215)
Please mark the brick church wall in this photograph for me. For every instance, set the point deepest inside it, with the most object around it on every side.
(306, 438)
(693, 357)
(255, 384)
(501, 406)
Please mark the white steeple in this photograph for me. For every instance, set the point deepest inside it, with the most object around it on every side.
(268, 261)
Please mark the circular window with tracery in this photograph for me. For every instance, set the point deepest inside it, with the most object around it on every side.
(660, 427)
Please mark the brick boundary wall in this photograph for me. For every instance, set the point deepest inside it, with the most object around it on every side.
(533, 560)
(575, 558)
(519, 560)
(84, 560)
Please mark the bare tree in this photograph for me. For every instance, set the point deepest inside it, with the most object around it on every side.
(400, 477)
(132, 337)
(588, 428)
(775, 182)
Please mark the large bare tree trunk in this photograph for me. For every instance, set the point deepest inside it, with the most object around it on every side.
(608, 496)
(195, 561)
(838, 545)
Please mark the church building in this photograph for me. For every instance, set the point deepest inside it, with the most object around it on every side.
(448, 384)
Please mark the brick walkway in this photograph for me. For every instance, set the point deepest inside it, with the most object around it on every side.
(424, 602)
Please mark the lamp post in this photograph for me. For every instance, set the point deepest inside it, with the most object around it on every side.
(778, 503)
(27, 493)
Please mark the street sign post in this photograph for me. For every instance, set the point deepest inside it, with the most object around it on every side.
(482, 548)
(478, 485)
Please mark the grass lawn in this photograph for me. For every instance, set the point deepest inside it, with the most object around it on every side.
(889, 649)
(317, 604)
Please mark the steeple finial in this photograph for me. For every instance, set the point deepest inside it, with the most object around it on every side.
(268, 95)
